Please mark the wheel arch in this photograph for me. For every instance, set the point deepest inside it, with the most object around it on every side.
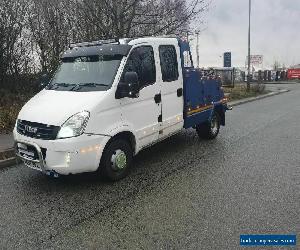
(123, 139)
(126, 135)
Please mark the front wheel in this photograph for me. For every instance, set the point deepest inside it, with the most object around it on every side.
(210, 129)
(116, 160)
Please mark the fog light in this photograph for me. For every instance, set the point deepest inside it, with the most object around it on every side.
(68, 158)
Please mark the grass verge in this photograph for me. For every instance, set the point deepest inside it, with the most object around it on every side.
(240, 91)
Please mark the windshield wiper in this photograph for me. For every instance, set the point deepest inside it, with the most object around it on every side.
(88, 84)
(59, 84)
(91, 84)
(63, 84)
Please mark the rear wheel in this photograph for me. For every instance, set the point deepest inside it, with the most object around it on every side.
(210, 129)
(116, 160)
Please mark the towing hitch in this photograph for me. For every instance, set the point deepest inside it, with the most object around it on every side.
(52, 173)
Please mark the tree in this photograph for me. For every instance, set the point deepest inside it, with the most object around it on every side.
(36, 32)
(131, 18)
(12, 22)
(50, 27)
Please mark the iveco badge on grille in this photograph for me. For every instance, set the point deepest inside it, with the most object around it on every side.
(30, 129)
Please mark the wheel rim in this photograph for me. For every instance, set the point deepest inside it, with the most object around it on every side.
(214, 125)
(118, 160)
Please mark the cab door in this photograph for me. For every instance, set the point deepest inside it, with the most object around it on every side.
(142, 113)
(171, 89)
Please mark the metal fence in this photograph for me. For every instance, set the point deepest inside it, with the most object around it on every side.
(232, 75)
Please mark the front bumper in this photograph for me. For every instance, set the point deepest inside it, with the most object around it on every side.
(64, 156)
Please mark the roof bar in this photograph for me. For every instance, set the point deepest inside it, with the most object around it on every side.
(93, 43)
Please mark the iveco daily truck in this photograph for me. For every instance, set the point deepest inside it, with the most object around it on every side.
(108, 100)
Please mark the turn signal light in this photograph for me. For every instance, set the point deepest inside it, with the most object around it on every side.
(90, 149)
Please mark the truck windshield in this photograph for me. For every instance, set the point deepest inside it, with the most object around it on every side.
(86, 73)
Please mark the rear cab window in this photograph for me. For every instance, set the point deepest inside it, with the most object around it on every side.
(168, 63)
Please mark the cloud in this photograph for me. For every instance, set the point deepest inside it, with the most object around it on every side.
(274, 32)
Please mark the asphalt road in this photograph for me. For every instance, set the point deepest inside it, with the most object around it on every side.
(184, 193)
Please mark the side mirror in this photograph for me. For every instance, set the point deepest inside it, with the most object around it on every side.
(44, 80)
(130, 86)
(132, 80)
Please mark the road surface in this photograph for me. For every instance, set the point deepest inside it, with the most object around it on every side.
(184, 193)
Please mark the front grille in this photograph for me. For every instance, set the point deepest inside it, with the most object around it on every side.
(37, 130)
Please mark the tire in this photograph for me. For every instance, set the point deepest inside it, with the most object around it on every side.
(116, 160)
(209, 130)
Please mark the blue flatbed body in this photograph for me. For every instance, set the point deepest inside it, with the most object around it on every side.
(202, 95)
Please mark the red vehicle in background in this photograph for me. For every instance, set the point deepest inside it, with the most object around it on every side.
(294, 72)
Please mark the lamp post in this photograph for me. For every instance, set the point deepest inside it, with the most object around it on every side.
(248, 78)
(197, 49)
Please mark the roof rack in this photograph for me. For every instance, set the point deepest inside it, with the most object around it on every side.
(114, 41)
(166, 36)
(94, 43)
(128, 39)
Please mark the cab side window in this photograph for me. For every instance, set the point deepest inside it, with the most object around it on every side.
(168, 63)
(141, 61)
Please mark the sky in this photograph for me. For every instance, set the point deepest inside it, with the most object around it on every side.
(275, 32)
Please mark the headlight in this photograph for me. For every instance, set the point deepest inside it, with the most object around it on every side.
(74, 126)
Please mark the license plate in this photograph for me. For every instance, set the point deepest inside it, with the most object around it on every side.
(23, 150)
(32, 165)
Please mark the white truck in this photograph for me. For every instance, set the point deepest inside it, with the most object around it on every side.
(108, 100)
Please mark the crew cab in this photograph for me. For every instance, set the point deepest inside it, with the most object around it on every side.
(108, 100)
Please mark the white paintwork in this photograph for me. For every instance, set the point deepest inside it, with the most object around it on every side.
(55, 107)
(172, 105)
(108, 116)
(85, 152)
(141, 113)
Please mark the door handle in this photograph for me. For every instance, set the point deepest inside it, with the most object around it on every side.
(157, 98)
(179, 92)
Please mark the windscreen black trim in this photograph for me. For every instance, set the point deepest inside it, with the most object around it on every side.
(105, 49)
